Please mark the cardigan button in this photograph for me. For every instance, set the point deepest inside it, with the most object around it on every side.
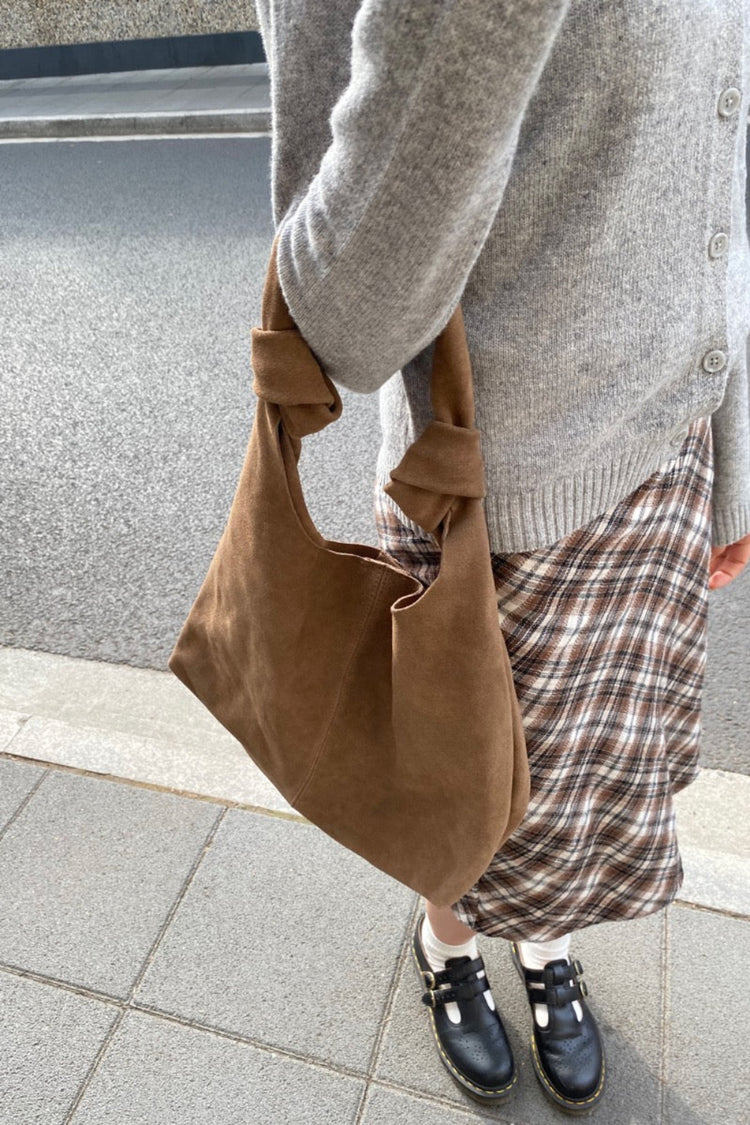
(714, 360)
(729, 101)
(718, 244)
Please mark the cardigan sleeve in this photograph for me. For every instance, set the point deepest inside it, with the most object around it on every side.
(730, 434)
(374, 256)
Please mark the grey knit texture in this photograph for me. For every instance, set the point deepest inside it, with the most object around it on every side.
(561, 168)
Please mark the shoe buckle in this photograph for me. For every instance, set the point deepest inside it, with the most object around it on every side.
(431, 982)
(579, 978)
(429, 998)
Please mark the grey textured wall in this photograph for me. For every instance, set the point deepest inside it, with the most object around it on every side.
(42, 23)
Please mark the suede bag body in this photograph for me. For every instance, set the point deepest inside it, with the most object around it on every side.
(383, 711)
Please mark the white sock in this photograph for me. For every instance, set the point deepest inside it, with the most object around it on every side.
(535, 955)
(437, 952)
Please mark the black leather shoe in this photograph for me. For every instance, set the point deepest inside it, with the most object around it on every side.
(568, 1056)
(475, 1051)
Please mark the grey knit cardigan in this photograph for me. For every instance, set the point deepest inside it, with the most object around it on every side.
(571, 171)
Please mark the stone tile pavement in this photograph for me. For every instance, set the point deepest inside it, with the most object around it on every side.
(178, 945)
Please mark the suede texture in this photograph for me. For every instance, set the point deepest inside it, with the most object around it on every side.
(383, 711)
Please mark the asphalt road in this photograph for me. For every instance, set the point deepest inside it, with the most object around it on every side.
(130, 277)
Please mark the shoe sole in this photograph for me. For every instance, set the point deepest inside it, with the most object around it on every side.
(474, 1091)
(574, 1108)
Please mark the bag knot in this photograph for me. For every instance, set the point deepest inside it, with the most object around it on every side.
(286, 372)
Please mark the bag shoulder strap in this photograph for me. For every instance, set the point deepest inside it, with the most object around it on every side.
(444, 462)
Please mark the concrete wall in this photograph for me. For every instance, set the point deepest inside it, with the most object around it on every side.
(44, 23)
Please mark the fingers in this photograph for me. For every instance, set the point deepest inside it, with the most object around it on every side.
(728, 562)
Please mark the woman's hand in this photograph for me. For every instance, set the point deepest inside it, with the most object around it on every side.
(727, 562)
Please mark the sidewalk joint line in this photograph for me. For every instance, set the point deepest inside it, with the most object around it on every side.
(123, 1005)
(442, 1101)
(86, 1082)
(664, 1015)
(153, 786)
(179, 897)
(724, 913)
(115, 1026)
(23, 803)
(84, 990)
(385, 1017)
(246, 1040)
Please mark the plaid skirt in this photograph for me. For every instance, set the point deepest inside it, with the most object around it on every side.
(606, 635)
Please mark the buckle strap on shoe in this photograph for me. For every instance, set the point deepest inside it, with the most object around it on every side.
(557, 973)
(557, 996)
(463, 990)
(460, 970)
(557, 984)
(554, 973)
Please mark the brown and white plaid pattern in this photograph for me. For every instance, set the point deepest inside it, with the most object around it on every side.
(605, 631)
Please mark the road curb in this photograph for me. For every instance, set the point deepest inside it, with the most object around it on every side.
(181, 122)
(142, 726)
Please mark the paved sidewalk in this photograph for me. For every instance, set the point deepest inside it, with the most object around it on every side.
(178, 946)
(191, 101)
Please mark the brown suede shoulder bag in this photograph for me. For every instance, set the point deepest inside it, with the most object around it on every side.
(383, 710)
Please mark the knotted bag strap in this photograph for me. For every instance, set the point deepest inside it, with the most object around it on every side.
(285, 370)
(444, 462)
